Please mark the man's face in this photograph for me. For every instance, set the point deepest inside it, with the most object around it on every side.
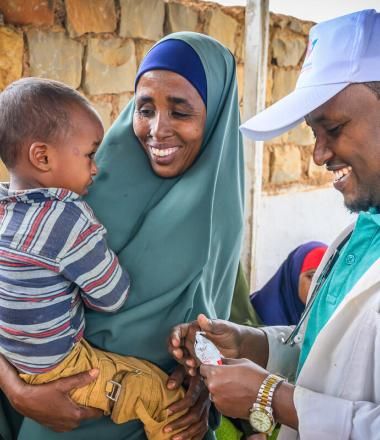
(347, 131)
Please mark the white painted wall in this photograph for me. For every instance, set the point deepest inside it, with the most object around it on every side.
(288, 220)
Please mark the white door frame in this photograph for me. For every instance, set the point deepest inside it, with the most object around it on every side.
(255, 77)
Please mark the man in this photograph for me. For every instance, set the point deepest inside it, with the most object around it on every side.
(334, 356)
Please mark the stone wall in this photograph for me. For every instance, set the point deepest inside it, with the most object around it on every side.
(95, 46)
(288, 162)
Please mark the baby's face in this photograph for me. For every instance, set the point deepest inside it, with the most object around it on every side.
(74, 164)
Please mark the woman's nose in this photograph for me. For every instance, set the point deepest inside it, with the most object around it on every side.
(321, 153)
(160, 126)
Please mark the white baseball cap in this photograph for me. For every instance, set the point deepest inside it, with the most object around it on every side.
(340, 52)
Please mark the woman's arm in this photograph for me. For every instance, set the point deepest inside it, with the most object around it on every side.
(36, 401)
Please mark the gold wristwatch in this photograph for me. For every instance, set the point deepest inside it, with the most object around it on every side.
(261, 414)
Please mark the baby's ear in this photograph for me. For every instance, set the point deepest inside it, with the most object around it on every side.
(40, 156)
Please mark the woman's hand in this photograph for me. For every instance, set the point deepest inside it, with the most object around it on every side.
(195, 421)
(224, 334)
(37, 401)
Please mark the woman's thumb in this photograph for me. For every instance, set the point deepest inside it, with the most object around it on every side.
(78, 380)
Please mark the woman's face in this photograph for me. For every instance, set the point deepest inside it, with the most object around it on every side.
(304, 282)
(169, 121)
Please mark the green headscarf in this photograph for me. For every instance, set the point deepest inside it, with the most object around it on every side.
(178, 238)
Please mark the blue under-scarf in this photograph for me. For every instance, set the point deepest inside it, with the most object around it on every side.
(277, 303)
(179, 57)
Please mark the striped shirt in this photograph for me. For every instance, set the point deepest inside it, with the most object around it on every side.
(53, 259)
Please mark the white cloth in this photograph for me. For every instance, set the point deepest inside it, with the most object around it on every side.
(337, 395)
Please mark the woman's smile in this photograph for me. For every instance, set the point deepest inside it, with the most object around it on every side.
(163, 154)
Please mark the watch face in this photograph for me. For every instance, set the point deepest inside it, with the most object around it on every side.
(260, 421)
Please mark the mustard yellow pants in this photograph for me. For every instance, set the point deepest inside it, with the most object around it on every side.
(137, 386)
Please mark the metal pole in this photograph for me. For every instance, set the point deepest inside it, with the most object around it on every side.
(255, 75)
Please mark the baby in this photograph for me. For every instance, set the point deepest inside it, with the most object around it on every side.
(54, 257)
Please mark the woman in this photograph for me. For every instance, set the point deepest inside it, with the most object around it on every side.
(282, 300)
(170, 168)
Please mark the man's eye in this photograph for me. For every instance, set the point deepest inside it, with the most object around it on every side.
(333, 131)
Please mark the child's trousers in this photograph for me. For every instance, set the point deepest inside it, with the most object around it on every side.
(126, 388)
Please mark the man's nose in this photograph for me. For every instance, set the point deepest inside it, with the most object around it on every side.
(321, 153)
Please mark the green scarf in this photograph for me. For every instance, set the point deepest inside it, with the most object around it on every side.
(178, 238)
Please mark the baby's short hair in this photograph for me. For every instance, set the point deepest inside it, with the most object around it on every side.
(34, 109)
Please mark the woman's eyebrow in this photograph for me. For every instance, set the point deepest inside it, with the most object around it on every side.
(146, 99)
(143, 99)
(177, 100)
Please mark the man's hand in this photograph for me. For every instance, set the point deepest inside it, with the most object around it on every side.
(234, 385)
(224, 334)
(195, 421)
(37, 401)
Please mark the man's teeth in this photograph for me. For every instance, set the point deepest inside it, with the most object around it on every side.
(338, 174)
(163, 152)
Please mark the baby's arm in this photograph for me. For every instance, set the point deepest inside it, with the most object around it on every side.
(92, 266)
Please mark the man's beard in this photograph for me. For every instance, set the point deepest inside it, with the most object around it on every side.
(365, 199)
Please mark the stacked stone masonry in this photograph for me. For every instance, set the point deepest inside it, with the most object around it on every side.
(96, 46)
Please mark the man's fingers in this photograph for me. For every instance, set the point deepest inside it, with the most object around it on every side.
(205, 323)
(229, 361)
(80, 380)
(205, 372)
(211, 326)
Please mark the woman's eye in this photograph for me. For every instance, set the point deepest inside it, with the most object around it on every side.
(180, 114)
(145, 112)
(92, 155)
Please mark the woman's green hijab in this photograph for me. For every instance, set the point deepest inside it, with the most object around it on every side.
(178, 238)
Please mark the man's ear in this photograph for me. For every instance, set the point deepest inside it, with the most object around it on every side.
(40, 156)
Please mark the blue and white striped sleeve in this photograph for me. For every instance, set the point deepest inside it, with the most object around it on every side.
(95, 269)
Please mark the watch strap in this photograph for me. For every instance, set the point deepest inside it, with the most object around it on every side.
(267, 389)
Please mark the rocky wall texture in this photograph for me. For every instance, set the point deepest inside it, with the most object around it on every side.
(96, 46)
(288, 161)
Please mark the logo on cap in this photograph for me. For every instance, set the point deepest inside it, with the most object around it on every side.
(310, 48)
